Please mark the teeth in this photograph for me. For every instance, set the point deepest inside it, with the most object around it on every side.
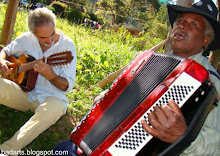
(179, 36)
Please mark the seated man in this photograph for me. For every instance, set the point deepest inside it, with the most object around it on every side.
(47, 99)
(195, 29)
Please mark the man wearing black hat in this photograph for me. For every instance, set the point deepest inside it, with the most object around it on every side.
(195, 30)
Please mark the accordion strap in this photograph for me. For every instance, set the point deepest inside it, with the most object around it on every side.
(213, 73)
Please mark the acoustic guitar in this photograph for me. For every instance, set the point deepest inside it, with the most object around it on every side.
(22, 69)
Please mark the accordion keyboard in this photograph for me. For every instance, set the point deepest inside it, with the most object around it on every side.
(132, 141)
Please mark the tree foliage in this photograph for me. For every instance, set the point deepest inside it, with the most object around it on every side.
(158, 25)
(59, 8)
(134, 10)
(115, 7)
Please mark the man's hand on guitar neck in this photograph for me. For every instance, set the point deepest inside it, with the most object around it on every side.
(5, 67)
(46, 71)
(168, 122)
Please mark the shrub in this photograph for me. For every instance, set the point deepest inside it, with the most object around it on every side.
(93, 17)
(51, 8)
(59, 8)
(74, 15)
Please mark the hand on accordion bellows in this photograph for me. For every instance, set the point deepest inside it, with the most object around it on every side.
(168, 122)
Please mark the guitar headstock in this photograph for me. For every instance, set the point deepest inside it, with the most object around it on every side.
(59, 59)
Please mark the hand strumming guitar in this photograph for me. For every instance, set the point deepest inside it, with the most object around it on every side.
(168, 122)
(5, 67)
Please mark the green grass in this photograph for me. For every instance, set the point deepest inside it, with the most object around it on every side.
(99, 53)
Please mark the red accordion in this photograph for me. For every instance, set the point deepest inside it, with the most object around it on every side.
(113, 125)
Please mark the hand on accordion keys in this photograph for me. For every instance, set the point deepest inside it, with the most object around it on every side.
(167, 121)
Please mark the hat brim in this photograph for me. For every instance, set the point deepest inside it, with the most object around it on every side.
(174, 12)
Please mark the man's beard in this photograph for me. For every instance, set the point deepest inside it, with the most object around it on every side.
(49, 45)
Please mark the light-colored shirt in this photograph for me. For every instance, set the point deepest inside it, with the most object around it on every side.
(27, 43)
(207, 142)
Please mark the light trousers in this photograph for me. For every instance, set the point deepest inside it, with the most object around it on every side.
(46, 114)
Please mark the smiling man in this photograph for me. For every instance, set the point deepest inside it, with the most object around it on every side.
(47, 97)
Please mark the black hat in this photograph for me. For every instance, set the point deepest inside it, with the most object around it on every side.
(205, 8)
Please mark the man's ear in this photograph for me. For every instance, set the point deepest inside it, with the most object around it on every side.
(205, 40)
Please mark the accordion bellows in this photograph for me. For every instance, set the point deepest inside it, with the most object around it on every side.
(113, 125)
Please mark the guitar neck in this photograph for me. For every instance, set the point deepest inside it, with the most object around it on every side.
(27, 66)
(57, 59)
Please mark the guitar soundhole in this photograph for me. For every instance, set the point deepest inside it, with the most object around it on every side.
(16, 72)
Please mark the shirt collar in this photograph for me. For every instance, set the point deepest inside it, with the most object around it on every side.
(198, 55)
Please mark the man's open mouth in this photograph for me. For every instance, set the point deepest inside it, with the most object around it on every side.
(179, 35)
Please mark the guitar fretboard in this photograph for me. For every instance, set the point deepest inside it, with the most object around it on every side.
(27, 66)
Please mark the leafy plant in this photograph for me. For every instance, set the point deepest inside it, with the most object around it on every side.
(59, 8)
(75, 15)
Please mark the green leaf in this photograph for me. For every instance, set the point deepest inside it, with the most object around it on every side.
(79, 66)
(106, 64)
(91, 54)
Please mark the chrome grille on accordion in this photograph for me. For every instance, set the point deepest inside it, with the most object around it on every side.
(113, 127)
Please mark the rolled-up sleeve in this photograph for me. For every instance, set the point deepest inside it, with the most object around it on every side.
(70, 72)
